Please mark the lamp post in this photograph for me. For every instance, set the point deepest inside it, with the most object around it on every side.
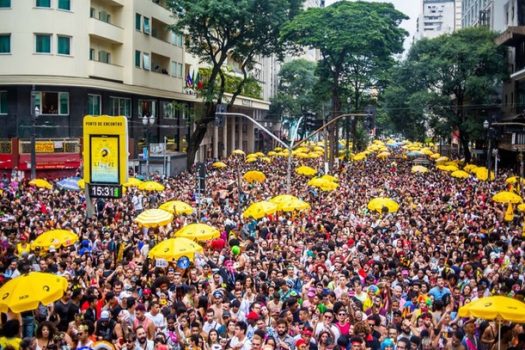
(486, 126)
(36, 114)
(148, 123)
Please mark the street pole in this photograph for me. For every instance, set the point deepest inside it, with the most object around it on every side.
(34, 115)
(290, 148)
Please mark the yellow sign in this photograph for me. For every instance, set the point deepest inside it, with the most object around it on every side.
(105, 149)
(44, 147)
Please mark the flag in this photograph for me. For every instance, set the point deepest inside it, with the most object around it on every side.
(199, 85)
(193, 81)
(189, 81)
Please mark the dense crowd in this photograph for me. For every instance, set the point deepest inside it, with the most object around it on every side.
(337, 276)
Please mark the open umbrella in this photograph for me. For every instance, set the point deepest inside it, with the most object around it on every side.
(81, 184)
(507, 197)
(56, 238)
(460, 174)
(219, 165)
(154, 218)
(482, 174)
(26, 292)
(359, 157)
(323, 184)
(286, 202)
(254, 176)
(151, 186)
(305, 171)
(514, 179)
(258, 210)
(499, 308)
(198, 232)
(379, 204)
(41, 183)
(449, 168)
(330, 178)
(177, 208)
(419, 169)
(133, 182)
(239, 152)
(70, 184)
(441, 160)
(175, 248)
(383, 155)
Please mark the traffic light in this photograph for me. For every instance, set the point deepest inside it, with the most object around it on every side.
(310, 121)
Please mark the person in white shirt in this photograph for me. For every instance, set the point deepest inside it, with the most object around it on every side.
(239, 340)
(210, 323)
(156, 317)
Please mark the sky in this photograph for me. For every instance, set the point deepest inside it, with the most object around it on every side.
(409, 8)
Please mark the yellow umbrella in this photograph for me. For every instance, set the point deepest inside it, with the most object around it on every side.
(266, 159)
(154, 218)
(259, 154)
(507, 197)
(286, 202)
(254, 176)
(378, 204)
(174, 248)
(358, 157)
(177, 208)
(441, 160)
(419, 169)
(306, 171)
(151, 186)
(482, 174)
(81, 184)
(239, 152)
(435, 156)
(251, 160)
(272, 154)
(383, 155)
(330, 178)
(521, 207)
(513, 180)
(41, 183)
(55, 238)
(219, 165)
(198, 232)
(470, 167)
(258, 210)
(323, 184)
(460, 174)
(133, 182)
(26, 292)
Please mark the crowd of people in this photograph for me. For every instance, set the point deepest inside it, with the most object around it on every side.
(337, 276)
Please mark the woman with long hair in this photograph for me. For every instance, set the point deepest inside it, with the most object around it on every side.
(45, 334)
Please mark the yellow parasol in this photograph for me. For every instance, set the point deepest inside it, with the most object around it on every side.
(41, 183)
(175, 248)
(507, 197)
(219, 165)
(239, 152)
(133, 182)
(177, 208)
(258, 210)
(449, 168)
(419, 169)
(441, 160)
(306, 171)
(383, 155)
(330, 178)
(81, 184)
(198, 232)
(55, 238)
(380, 203)
(154, 218)
(482, 174)
(286, 202)
(470, 168)
(151, 186)
(460, 174)
(323, 184)
(26, 292)
(254, 176)
(513, 180)
(359, 157)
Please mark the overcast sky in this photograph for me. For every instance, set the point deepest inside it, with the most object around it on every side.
(409, 8)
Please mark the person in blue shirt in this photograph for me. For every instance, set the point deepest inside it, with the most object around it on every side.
(439, 291)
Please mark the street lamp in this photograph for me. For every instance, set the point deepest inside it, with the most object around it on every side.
(486, 126)
(148, 123)
(36, 114)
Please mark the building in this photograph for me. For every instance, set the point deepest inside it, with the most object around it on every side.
(437, 17)
(490, 13)
(70, 58)
(458, 14)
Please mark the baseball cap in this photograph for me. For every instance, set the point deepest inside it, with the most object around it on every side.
(252, 315)
(300, 342)
(218, 294)
(104, 315)
(307, 332)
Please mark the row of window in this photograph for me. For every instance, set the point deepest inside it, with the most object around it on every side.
(143, 24)
(60, 4)
(57, 103)
(143, 60)
(43, 43)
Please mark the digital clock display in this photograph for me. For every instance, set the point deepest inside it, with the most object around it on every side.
(105, 191)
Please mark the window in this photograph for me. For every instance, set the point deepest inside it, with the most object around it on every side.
(64, 4)
(104, 16)
(91, 54)
(121, 106)
(92, 12)
(64, 45)
(176, 38)
(170, 110)
(51, 103)
(146, 108)
(5, 3)
(146, 62)
(137, 59)
(138, 21)
(94, 105)
(104, 56)
(176, 69)
(43, 43)
(146, 25)
(43, 3)
(5, 43)
(3, 102)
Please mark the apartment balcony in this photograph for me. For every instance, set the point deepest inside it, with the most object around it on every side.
(115, 3)
(106, 71)
(160, 30)
(105, 31)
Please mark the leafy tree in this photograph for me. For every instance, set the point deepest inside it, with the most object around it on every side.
(220, 30)
(355, 39)
(447, 82)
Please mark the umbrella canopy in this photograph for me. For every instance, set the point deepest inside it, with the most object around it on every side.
(449, 168)
(306, 171)
(239, 152)
(323, 184)
(358, 157)
(133, 182)
(495, 307)
(175, 248)
(460, 174)
(81, 183)
(154, 218)
(254, 176)
(482, 174)
(70, 184)
(378, 204)
(435, 156)
(219, 165)
(286, 202)
(419, 169)
(329, 178)
(198, 232)
(177, 208)
(41, 183)
(266, 159)
(26, 292)
(55, 238)
(507, 197)
(514, 179)
(521, 208)
(151, 186)
(258, 210)
(441, 160)
(470, 168)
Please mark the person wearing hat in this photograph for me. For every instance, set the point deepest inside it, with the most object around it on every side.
(470, 340)
(105, 327)
(23, 248)
(251, 318)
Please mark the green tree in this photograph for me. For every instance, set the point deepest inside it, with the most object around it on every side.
(447, 82)
(355, 39)
(220, 30)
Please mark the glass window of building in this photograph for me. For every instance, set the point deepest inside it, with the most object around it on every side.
(51, 103)
(43, 43)
(120, 106)
(43, 3)
(94, 105)
(5, 43)
(3, 102)
(146, 108)
(64, 4)
(64, 45)
(5, 3)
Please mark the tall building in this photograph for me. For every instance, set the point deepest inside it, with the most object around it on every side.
(437, 17)
(489, 13)
(68, 58)
(458, 14)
